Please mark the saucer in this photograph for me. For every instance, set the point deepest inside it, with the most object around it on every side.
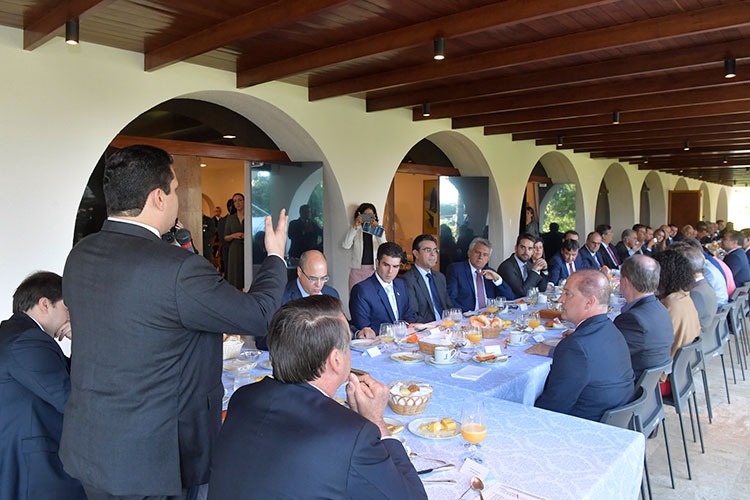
(430, 360)
(519, 345)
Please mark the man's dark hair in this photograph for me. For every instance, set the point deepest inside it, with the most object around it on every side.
(569, 245)
(642, 272)
(525, 236)
(422, 237)
(570, 231)
(701, 227)
(676, 274)
(130, 174)
(302, 334)
(34, 287)
(638, 227)
(390, 249)
(554, 227)
(736, 236)
(603, 229)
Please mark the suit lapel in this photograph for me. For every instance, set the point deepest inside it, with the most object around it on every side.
(384, 299)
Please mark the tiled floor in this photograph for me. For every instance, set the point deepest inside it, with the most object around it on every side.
(723, 472)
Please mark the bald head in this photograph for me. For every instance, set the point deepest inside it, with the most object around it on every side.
(312, 271)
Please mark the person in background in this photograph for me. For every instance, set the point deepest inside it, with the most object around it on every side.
(552, 239)
(209, 230)
(537, 257)
(35, 381)
(563, 265)
(518, 272)
(363, 244)
(471, 282)
(703, 296)
(732, 242)
(675, 282)
(428, 292)
(589, 254)
(607, 253)
(629, 245)
(532, 224)
(287, 437)
(234, 237)
(221, 231)
(661, 241)
(304, 233)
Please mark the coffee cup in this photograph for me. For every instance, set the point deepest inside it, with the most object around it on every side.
(542, 298)
(444, 355)
(518, 337)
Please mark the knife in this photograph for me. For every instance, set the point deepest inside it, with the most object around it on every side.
(435, 469)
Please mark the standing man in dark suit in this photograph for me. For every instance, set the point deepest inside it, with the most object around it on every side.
(472, 282)
(563, 264)
(644, 321)
(591, 371)
(589, 253)
(145, 403)
(428, 292)
(381, 298)
(519, 273)
(736, 259)
(35, 387)
(607, 253)
(286, 437)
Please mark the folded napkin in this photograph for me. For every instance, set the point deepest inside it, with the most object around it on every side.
(471, 373)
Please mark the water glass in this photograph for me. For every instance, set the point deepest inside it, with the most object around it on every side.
(400, 329)
(386, 335)
(532, 295)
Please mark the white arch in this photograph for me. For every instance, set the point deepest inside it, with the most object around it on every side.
(657, 197)
(681, 185)
(561, 170)
(621, 206)
(722, 204)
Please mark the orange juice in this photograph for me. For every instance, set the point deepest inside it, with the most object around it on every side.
(492, 309)
(533, 323)
(474, 338)
(448, 323)
(474, 433)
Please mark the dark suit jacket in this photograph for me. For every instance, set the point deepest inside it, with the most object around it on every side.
(34, 386)
(704, 298)
(558, 269)
(737, 262)
(590, 372)
(647, 329)
(369, 304)
(460, 281)
(622, 252)
(588, 261)
(419, 295)
(145, 404)
(511, 275)
(288, 441)
(606, 259)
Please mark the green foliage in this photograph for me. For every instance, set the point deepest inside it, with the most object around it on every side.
(562, 208)
(261, 184)
(316, 204)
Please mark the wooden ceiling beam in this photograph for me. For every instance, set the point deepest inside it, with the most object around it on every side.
(735, 164)
(653, 137)
(262, 19)
(713, 78)
(644, 64)
(670, 151)
(640, 148)
(659, 28)
(38, 30)
(462, 23)
(203, 149)
(660, 106)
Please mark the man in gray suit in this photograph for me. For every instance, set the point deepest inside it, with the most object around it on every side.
(428, 293)
(145, 403)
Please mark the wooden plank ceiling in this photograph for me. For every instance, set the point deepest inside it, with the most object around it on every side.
(551, 71)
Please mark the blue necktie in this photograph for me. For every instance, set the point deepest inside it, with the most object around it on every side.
(435, 297)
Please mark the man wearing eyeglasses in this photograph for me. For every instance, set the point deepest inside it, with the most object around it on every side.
(428, 292)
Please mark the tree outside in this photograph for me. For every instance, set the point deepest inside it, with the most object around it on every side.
(562, 208)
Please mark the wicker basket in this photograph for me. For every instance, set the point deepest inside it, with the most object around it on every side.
(491, 332)
(429, 347)
(408, 405)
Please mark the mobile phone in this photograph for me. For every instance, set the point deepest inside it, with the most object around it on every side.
(367, 217)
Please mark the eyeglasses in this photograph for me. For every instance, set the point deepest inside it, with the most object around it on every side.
(431, 250)
(316, 279)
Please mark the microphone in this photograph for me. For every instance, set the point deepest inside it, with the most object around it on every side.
(168, 237)
(185, 240)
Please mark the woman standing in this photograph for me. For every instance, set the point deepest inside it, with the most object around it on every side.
(234, 236)
(364, 245)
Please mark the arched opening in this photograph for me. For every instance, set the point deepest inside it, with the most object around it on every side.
(657, 200)
(561, 200)
(681, 185)
(644, 215)
(722, 205)
(705, 202)
(619, 198)
(602, 205)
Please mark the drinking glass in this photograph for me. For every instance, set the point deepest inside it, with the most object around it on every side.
(492, 307)
(532, 295)
(534, 320)
(386, 335)
(447, 319)
(400, 329)
(456, 315)
(500, 301)
(473, 428)
(474, 335)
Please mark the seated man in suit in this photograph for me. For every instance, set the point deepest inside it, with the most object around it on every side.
(591, 371)
(519, 273)
(644, 321)
(472, 282)
(607, 252)
(589, 253)
(381, 298)
(562, 265)
(286, 437)
(428, 292)
(629, 245)
(702, 294)
(735, 258)
(35, 387)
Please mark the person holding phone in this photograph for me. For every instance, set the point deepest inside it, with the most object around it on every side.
(363, 238)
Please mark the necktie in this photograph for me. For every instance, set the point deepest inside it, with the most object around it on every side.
(570, 268)
(612, 255)
(481, 297)
(436, 303)
(392, 299)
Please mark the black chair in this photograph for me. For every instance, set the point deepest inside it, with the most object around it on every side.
(683, 387)
(740, 296)
(737, 327)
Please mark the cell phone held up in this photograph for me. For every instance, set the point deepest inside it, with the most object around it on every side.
(378, 231)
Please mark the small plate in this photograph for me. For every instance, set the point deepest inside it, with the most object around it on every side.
(496, 361)
(365, 342)
(552, 342)
(266, 364)
(395, 426)
(238, 365)
(407, 357)
(430, 360)
(414, 429)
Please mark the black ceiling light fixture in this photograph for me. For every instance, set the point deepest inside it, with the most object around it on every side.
(71, 32)
(559, 141)
(686, 146)
(426, 109)
(616, 118)
(730, 67)
(439, 49)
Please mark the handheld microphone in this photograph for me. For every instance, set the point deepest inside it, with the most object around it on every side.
(185, 240)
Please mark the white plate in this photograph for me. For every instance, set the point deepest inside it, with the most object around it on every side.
(365, 342)
(431, 361)
(552, 342)
(266, 364)
(398, 426)
(414, 429)
(238, 365)
(499, 360)
(407, 357)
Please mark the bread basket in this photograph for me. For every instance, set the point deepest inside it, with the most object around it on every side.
(413, 404)
(491, 332)
(232, 348)
(428, 347)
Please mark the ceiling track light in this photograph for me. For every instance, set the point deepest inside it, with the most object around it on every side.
(439, 49)
(71, 32)
(426, 109)
(559, 141)
(726, 160)
(730, 67)
(616, 118)
(645, 160)
(686, 146)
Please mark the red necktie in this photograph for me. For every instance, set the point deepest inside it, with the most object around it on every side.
(612, 254)
(570, 268)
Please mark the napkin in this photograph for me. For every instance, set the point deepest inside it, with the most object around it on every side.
(471, 373)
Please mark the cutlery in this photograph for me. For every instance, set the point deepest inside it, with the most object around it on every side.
(435, 469)
(414, 454)
(445, 481)
(477, 485)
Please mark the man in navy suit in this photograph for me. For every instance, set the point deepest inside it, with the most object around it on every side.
(518, 271)
(463, 279)
(591, 371)
(428, 292)
(644, 321)
(736, 259)
(589, 253)
(381, 298)
(565, 263)
(607, 252)
(286, 437)
(35, 387)
(629, 245)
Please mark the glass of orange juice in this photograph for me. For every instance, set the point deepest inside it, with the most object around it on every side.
(474, 335)
(473, 427)
(534, 320)
(447, 319)
(492, 306)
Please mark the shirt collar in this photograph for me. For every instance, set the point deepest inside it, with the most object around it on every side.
(302, 290)
(136, 223)
(383, 283)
